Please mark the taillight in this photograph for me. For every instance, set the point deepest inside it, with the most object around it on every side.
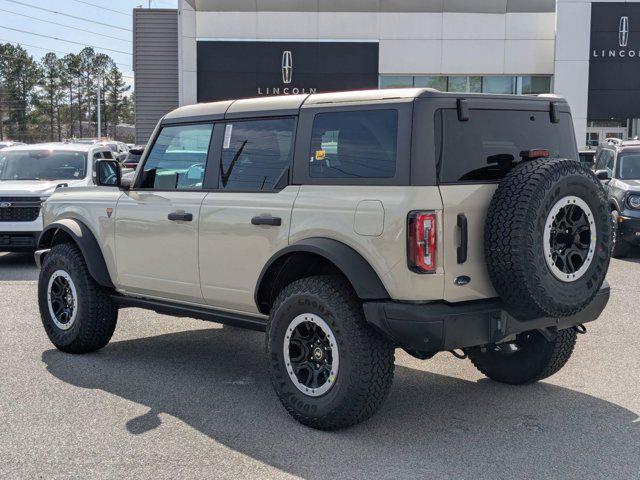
(422, 241)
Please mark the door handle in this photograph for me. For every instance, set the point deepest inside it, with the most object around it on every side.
(273, 221)
(180, 217)
(464, 238)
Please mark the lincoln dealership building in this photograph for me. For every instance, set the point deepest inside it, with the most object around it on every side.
(207, 50)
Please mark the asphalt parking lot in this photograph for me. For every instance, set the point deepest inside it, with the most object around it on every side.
(175, 398)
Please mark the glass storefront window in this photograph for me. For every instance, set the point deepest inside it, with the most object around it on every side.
(533, 85)
(502, 84)
(396, 81)
(437, 82)
(498, 84)
(458, 84)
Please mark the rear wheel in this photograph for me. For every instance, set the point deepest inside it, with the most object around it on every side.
(77, 313)
(529, 358)
(619, 248)
(329, 368)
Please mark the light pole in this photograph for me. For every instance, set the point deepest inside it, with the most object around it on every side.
(99, 115)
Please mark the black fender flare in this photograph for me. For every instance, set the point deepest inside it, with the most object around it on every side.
(87, 243)
(354, 267)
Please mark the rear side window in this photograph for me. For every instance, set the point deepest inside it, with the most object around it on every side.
(178, 158)
(355, 144)
(488, 145)
(256, 153)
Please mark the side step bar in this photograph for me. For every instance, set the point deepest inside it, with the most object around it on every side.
(200, 313)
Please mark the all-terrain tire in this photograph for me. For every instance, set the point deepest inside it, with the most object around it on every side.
(96, 315)
(537, 358)
(514, 238)
(366, 358)
(619, 247)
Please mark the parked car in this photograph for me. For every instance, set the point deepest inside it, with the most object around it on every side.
(133, 157)
(29, 174)
(8, 144)
(344, 225)
(119, 149)
(587, 156)
(618, 166)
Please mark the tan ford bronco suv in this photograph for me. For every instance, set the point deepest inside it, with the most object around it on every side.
(345, 225)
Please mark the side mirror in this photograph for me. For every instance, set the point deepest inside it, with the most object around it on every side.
(603, 175)
(107, 173)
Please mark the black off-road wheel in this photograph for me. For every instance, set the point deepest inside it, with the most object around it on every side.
(77, 313)
(531, 357)
(619, 248)
(547, 238)
(329, 368)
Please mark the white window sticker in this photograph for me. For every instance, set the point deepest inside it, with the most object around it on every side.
(228, 129)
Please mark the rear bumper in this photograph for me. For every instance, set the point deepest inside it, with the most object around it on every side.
(18, 241)
(444, 326)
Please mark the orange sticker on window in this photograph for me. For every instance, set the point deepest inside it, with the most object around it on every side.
(321, 155)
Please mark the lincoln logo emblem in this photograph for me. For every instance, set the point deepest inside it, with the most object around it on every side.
(287, 67)
(624, 31)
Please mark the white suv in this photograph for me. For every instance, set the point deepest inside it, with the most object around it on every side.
(29, 174)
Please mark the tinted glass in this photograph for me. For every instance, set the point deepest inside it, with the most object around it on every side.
(107, 173)
(42, 165)
(439, 83)
(178, 158)
(488, 146)
(498, 85)
(107, 155)
(256, 153)
(629, 166)
(396, 81)
(610, 162)
(358, 144)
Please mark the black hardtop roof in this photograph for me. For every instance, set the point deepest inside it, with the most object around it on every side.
(291, 104)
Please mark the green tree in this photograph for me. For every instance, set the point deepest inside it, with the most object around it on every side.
(52, 93)
(115, 98)
(20, 75)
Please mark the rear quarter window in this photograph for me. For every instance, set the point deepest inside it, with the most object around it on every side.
(487, 146)
(354, 144)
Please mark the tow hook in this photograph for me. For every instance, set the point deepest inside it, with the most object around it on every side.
(581, 329)
(461, 355)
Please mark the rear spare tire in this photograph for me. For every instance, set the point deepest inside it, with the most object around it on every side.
(547, 238)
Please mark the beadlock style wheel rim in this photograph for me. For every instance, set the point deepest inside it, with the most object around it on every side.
(569, 238)
(311, 354)
(62, 299)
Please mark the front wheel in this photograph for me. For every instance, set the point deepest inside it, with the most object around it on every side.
(329, 368)
(531, 357)
(619, 248)
(77, 313)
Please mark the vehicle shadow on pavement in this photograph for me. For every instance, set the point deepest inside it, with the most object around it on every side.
(17, 267)
(216, 381)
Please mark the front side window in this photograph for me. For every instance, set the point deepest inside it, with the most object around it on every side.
(43, 165)
(256, 153)
(629, 166)
(610, 163)
(354, 144)
(489, 144)
(178, 158)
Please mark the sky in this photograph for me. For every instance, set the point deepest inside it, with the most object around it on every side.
(97, 23)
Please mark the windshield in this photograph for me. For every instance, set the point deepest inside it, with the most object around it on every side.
(629, 166)
(42, 165)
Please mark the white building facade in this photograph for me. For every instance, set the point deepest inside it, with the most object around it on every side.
(245, 48)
